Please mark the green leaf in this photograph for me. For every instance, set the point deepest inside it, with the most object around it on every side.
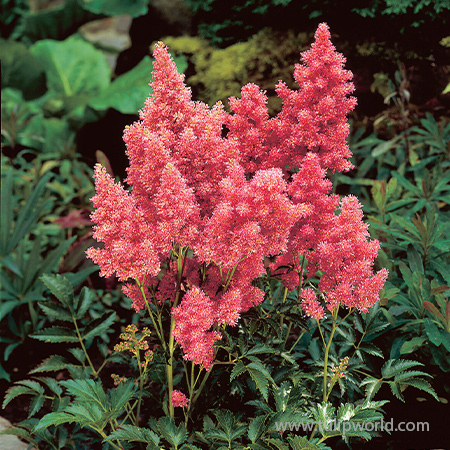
(60, 287)
(280, 445)
(131, 433)
(411, 345)
(55, 334)
(260, 380)
(98, 326)
(414, 259)
(55, 312)
(238, 369)
(172, 434)
(88, 391)
(52, 363)
(281, 395)
(256, 428)
(432, 332)
(301, 443)
(36, 404)
(423, 385)
(393, 367)
(54, 418)
(15, 391)
(73, 66)
(134, 8)
(122, 394)
(85, 300)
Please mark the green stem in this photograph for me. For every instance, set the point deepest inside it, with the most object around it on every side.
(94, 372)
(181, 260)
(150, 313)
(327, 350)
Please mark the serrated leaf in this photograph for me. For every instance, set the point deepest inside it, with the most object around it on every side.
(52, 363)
(256, 428)
(88, 391)
(279, 444)
(260, 348)
(52, 384)
(55, 334)
(421, 384)
(172, 434)
(395, 389)
(55, 312)
(122, 394)
(60, 287)
(393, 367)
(35, 405)
(99, 326)
(301, 443)
(237, 370)
(54, 418)
(84, 300)
(260, 380)
(131, 433)
(14, 392)
(281, 395)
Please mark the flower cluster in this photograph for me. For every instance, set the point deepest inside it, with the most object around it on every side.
(260, 191)
(179, 399)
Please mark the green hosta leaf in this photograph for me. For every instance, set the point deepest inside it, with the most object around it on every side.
(172, 434)
(127, 93)
(256, 428)
(131, 433)
(55, 334)
(134, 8)
(73, 67)
(52, 363)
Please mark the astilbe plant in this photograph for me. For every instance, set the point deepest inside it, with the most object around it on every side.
(219, 199)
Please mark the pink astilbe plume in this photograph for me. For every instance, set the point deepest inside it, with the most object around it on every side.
(346, 257)
(129, 250)
(194, 317)
(313, 118)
